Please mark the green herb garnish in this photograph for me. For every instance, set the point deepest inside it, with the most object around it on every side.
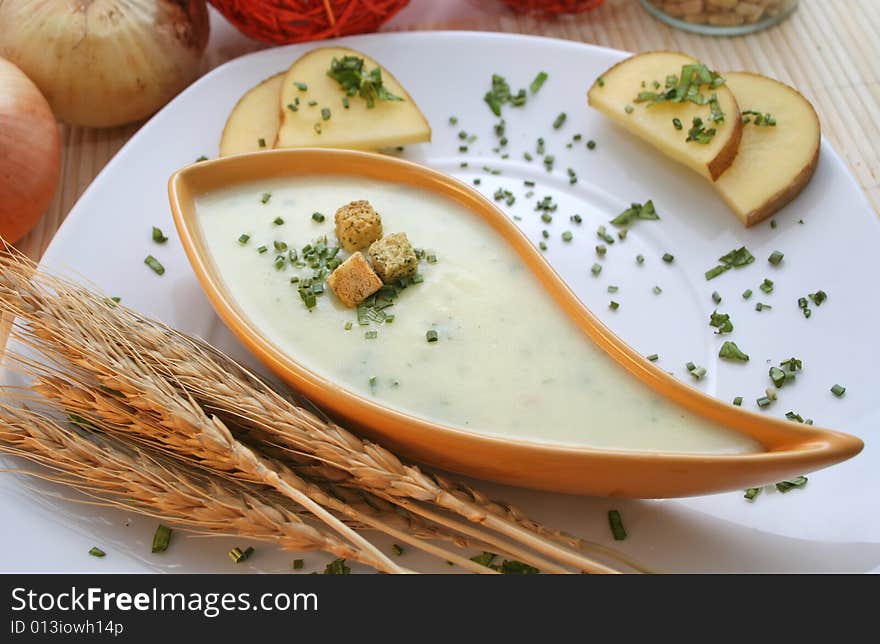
(636, 211)
(300, 86)
(500, 94)
(838, 390)
(818, 297)
(484, 559)
(238, 555)
(616, 524)
(154, 264)
(567, 236)
(337, 567)
(318, 217)
(158, 237)
(729, 351)
(734, 259)
(431, 336)
(539, 81)
(653, 357)
(751, 493)
(676, 123)
(766, 286)
(199, 160)
(790, 484)
(738, 401)
(596, 269)
(96, 552)
(668, 258)
(161, 538)
(351, 75)
(758, 118)
(721, 321)
(559, 120)
(699, 133)
(298, 564)
(775, 257)
(325, 113)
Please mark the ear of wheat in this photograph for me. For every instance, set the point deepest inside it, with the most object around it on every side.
(149, 385)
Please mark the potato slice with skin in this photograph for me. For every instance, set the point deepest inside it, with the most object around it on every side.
(774, 163)
(388, 123)
(621, 84)
(256, 116)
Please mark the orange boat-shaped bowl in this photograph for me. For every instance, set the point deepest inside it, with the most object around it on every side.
(788, 448)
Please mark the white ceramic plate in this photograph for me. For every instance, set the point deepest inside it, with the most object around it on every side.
(832, 525)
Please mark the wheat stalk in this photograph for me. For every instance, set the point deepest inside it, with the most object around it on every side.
(68, 321)
(133, 479)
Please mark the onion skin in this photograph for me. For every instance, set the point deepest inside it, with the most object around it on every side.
(102, 63)
(30, 153)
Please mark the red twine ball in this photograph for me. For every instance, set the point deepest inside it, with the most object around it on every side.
(283, 22)
(546, 8)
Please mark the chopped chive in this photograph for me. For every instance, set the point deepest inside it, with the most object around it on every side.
(201, 158)
(298, 564)
(628, 109)
(777, 376)
(794, 416)
(348, 325)
(539, 81)
(300, 86)
(640, 259)
(280, 246)
(154, 264)
(838, 390)
(616, 525)
(558, 122)
(613, 305)
(431, 336)
(763, 401)
(396, 549)
(613, 289)
(453, 120)
(312, 103)
(738, 401)
(261, 249)
(747, 294)
(720, 321)
(477, 181)
(790, 484)
(751, 493)
(591, 144)
(818, 297)
(729, 351)
(775, 257)
(158, 237)
(716, 297)
(265, 198)
(238, 555)
(712, 273)
(566, 236)
(325, 113)
(96, 552)
(657, 290)
(653, 357)
(676, 123)
(279, 262)
(773, 223)
(668, 258)
(766, 286)
(337, 567)
(484, 559)
(318, 217)
(601, 249)
(161, 538)
(278, 221)
(261, 142)
(600, 82)
(371, 335)
(760, 306)
(596, 269)
(542, 245)
(243, 238)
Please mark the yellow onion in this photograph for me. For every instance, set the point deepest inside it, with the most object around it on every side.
(30, 153)
(105, 62)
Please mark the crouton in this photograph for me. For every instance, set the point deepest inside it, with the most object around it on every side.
(393, 257)
(354, 280)
(357, 225)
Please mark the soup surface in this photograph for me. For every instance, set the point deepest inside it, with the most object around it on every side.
(507, 360)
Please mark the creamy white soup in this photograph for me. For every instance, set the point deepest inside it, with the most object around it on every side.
(507, 360)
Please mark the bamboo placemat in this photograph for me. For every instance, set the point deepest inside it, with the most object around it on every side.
(829, 50)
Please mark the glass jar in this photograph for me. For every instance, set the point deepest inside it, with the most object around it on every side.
(721, 17)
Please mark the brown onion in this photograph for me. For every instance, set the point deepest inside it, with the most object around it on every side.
(105, 62)
(30, 153)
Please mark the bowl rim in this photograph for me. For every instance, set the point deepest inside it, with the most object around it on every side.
(789, 448)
